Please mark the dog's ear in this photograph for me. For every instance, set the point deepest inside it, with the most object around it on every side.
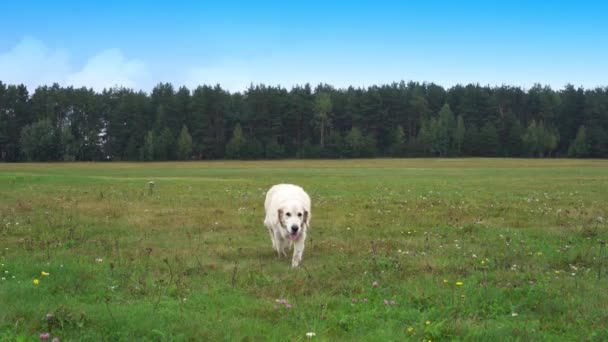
(306, 217)
(280, 216)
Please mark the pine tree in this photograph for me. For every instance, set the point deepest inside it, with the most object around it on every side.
(322, 107)
(580, 146)
(398, 143)
(488, 140)
(459, 133)
(184, 144)
(235, 149)
(148, 149)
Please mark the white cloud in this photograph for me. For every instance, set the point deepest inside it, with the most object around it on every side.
(108, 69)
(32, 63)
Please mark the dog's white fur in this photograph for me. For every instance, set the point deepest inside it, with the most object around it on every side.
(287, 219)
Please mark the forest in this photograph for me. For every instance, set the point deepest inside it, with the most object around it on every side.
(402, 119)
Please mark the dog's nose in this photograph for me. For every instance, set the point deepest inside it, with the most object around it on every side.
(294, 228)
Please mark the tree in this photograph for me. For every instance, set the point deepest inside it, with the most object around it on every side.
(580, 146)
(532, 140)
(68, 145)
(322, 108)
(398, 143)
(165, 145)
(353, 142)
(459, 134)
(488, 140)
(357, 145)
(148, 149)
(184, 144)
(413, 119)
(418, 108)
(445, 129)
(39, 141)
(274, 150)
(550, 139)
(510, 136)
(540, 141)
(334, 147)
(237, 145)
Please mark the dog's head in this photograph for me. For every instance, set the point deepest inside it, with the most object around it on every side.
(293, 218)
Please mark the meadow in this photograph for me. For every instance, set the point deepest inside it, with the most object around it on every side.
(398, 250)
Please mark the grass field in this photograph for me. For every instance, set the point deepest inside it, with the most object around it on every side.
(460, 249)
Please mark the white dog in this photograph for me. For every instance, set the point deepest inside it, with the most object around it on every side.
(287, 219)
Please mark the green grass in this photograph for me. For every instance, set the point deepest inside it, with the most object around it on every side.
(192, 260)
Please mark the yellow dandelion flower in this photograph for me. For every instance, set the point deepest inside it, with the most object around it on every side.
(445, 281)
(539, 253)
(427, 322)
(45, 274)
(36, 281)
(556, 272)
(459, 283)
(410, 329)
(483, 262)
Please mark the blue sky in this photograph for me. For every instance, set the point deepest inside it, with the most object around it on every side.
(234, 43)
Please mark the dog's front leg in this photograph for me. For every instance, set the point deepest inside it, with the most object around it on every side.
(298, 250)
(280, 244)
(272, 238)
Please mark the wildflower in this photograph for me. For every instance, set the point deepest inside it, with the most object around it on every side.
(55, 339)
(445, 281)
(459, 283)
(539, 253)
(375, 284)
(36, 281)
(99, 260)
(354, 300)
(49, 316)
(427, 322)
(45, 274)
(364, 300)
(3, 278)
(288, 306)
(310, 334)
(45, 336)
(514, 314)
(282, 301)
(5, 272)
(410, 329)
(393, 302)
(385, 302)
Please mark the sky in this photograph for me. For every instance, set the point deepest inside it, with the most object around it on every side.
(137, 44)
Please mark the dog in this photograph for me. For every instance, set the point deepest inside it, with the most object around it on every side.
(287, 219)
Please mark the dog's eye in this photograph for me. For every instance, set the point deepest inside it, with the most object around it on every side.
(299, 214)
(288, 214)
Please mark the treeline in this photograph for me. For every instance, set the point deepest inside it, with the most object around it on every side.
(396, 120)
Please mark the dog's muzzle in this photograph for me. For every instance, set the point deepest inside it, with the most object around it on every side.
(294, 232)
